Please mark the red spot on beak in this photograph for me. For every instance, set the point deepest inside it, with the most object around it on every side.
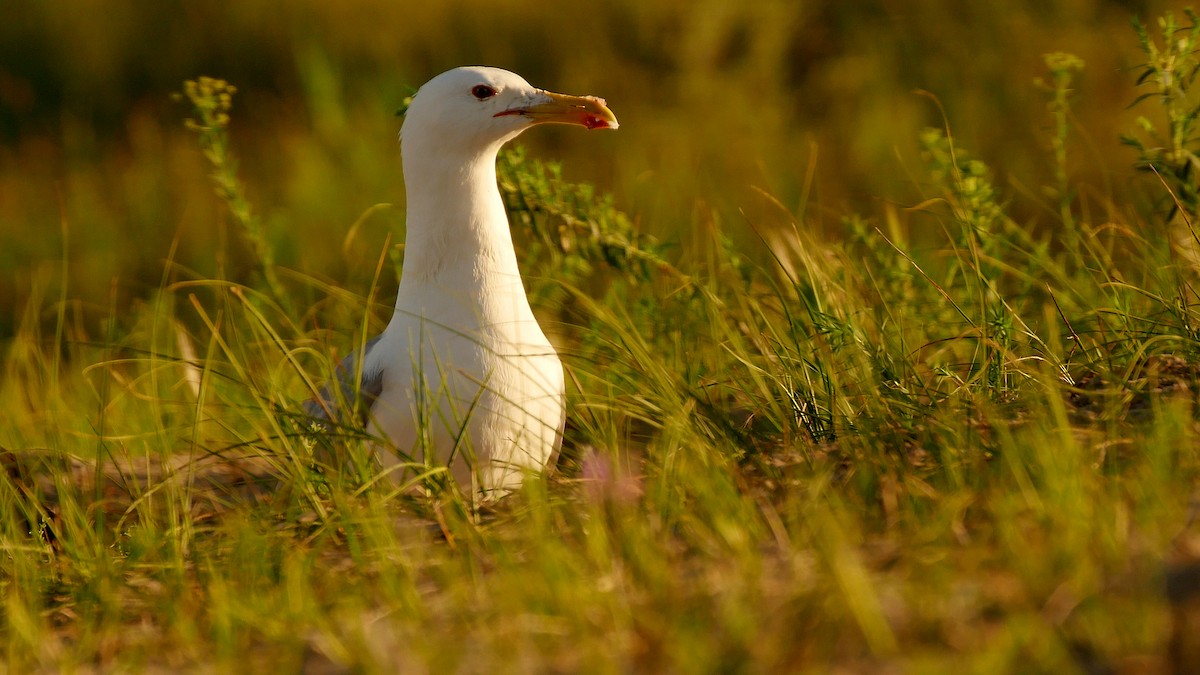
(593, 122)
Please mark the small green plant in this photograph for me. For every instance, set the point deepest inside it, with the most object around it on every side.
(968, 188)
(1063, 68)
(1169, 72)
(570, 228)
(212, 100)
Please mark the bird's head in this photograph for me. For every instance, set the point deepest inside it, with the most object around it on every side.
(476, 107)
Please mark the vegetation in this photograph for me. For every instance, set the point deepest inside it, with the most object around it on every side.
(956, 431)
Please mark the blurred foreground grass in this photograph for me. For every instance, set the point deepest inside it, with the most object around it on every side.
(954, 435)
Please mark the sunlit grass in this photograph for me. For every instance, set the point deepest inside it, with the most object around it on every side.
(944, 440)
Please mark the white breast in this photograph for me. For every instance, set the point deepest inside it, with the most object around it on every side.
(473, 385)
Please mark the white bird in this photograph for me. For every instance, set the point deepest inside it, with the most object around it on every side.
(463, 376)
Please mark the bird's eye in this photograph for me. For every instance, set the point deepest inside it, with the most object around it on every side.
(482, 92)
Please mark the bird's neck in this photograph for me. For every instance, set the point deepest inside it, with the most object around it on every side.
(458, 236)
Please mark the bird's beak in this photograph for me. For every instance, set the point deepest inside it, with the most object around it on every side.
(549, 107)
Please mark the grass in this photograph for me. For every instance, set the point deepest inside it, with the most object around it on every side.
(944, 440)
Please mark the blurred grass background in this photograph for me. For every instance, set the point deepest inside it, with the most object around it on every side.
(812, 101)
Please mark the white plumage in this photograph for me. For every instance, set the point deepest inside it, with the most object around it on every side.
(463, 375)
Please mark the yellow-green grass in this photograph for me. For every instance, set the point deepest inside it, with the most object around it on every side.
(955, 432)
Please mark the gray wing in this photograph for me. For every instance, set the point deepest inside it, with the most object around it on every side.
(344, 392)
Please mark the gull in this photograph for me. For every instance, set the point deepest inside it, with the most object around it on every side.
(463, 376)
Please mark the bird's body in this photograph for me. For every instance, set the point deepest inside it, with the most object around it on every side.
(463, 376)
